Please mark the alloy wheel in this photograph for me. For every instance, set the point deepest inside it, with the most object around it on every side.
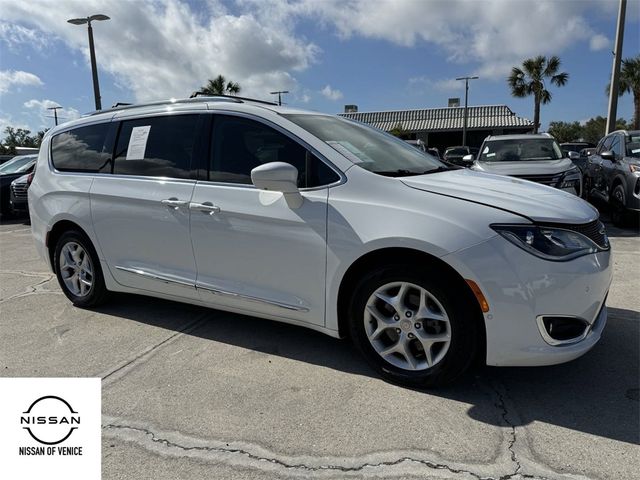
(407, 326)
(76, 269)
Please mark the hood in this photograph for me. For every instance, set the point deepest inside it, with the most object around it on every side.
(531, 200)
(525, 167)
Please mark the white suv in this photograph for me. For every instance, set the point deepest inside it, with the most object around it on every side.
(322, 222)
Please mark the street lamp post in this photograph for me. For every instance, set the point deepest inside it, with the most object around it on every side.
(279, 93)
(94, 68)
(466, 100)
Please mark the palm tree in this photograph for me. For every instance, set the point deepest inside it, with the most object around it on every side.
(530, 80)
(630, 83)
(220, 86)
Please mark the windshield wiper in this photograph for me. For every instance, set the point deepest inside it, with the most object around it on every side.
(408, 173)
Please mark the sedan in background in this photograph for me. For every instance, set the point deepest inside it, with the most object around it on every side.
(10, 171)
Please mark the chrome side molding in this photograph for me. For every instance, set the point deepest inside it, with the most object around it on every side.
(211, 289)
(251, 298)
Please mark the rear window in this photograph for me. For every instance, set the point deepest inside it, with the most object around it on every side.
(81, 150)
(157, 146)
(513, 150)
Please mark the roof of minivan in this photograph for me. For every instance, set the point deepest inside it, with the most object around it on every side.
(240, 104)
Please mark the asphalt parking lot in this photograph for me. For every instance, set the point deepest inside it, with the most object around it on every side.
(195, 393)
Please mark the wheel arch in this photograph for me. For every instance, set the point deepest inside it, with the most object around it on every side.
(403, 255)
(58, 229)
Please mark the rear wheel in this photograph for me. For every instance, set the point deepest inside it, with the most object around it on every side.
(78, 270)
(413, 327)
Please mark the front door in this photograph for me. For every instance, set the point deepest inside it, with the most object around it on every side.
(141, 211)
(254, 252)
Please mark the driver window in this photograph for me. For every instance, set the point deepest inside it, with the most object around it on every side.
(240, 144)
(616, 146)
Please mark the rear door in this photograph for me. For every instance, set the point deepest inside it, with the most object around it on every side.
(141, 211)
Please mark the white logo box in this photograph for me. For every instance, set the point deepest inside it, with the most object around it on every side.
(50, 428)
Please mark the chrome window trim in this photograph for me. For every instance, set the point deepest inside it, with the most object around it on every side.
(251, 298)
(291, 136)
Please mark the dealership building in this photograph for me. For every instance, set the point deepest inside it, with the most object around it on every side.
(442, 127)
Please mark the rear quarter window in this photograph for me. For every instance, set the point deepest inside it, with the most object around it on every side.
(81, 150)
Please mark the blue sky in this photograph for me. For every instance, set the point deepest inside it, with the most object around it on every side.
(379, 55)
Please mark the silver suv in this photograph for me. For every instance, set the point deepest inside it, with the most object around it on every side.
(537, 158)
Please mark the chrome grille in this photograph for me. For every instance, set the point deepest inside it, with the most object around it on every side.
(551, 180)
(19, 190)
(594, 230)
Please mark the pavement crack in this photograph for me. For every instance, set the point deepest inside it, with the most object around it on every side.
(288, 465)
(34, 289)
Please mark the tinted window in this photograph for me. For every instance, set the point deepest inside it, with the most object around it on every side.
(633, 146)
(616, 146)
(240, 145)
(81, 150)
(605, 145)
(159, 147)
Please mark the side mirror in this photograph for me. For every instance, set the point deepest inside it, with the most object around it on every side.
(468, 159)
(608, 155)
(573, 155)
(279, 177)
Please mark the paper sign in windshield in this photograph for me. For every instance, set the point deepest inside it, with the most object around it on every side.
(138, 142)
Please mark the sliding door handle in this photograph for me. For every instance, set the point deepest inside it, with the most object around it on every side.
(174, 203)
(206, 207)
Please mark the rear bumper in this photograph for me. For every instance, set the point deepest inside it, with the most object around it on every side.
(520, 287)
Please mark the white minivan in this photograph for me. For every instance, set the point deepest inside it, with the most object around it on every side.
(322, 222)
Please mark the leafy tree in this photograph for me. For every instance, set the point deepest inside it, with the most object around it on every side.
(19, 137)
(566, 131)
(220, 86)
(399, 131)
(595, 128)
(630, 83)
(530, 80)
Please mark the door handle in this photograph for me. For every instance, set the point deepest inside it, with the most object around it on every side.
(206, 207)
(174, 203)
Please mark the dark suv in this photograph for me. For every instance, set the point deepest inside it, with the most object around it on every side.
(613, 173)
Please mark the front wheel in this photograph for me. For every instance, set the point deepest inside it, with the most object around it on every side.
(78, 270)
(414, 328)
(618, 206)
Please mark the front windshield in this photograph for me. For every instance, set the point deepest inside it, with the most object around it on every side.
(17, 164)
(371, 149)
(514, 150)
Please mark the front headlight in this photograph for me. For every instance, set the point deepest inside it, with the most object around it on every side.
(553, 244)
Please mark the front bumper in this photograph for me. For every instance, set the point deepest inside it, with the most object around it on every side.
(521, 287)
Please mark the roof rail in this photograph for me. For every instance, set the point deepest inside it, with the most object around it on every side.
(231, 97)
(193, 99)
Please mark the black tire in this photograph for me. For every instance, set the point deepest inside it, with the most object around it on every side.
(618, 206)
(98, 292)
(464, 320)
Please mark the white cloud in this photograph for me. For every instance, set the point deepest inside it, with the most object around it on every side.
(599, 42)
(331, 94)
(161, 49)
(9, 78)
(40, 109)
(16, 35)
(493, 35)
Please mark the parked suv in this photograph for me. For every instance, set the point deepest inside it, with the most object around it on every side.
(457, 155)
(534, 157)
(613, 173)
(322, 222)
